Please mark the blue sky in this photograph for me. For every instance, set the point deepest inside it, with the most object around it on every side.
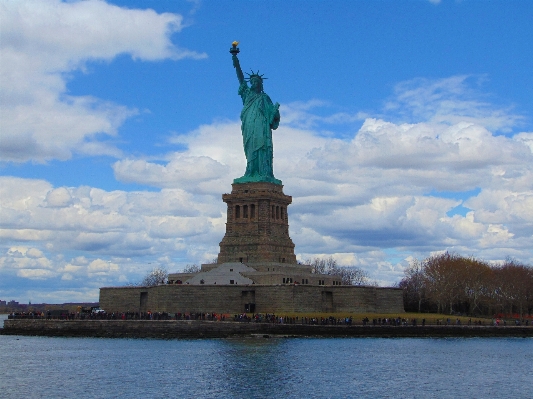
(406, 129)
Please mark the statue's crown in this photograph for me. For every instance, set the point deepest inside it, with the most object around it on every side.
(255, 75)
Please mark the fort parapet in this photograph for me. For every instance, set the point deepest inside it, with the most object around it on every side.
(234, 299)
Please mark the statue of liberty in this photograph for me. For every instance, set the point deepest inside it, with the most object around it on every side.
(259, 116)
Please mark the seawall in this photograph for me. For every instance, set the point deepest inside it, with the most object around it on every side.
(169, 329)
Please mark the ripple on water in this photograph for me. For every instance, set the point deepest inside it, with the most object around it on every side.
(40, 367)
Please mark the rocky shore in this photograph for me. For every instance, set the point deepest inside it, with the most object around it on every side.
(170, 329)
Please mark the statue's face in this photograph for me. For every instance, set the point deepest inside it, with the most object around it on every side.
(256, 85)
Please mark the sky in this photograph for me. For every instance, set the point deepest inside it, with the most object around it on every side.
(406, 130)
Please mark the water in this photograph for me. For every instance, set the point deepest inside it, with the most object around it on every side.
(40, 367)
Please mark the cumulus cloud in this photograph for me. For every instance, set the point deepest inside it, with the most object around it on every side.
(39, 223)
(42, 42)
(59, 198)
(99, 266)
(182, 171)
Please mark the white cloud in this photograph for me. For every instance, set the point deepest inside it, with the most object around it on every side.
(97, 222)
(182, 171)
(42, 42)
(526, 138)
(99, 266)
(450, 101)
(300, 115)
(79, 295)
(35, 274)
(58, 198)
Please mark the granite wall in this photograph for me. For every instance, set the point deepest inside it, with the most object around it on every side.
(219, 329)
(231, 299)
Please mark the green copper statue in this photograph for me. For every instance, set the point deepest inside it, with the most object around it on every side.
(259, 116)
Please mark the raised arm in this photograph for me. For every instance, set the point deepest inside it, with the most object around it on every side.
(237, 67)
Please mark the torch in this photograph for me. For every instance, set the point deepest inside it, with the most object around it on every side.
(234, 50)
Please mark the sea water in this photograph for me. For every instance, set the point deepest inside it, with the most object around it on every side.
(40, 367)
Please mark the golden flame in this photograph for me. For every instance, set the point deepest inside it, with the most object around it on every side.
(235, 43)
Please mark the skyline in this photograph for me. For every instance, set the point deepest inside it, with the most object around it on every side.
(406, 130)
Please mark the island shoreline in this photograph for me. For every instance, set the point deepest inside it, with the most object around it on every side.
(172, 329)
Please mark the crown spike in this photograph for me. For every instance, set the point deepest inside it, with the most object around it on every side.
(252, 74)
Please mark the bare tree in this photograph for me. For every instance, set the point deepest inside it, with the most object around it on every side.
(349, 275)
(158, 275)
(413, 284)
(191, 268)
(514, 283)
(353, 275)
(323, 266)
(442, 279)
(476, 277)
(451, 282)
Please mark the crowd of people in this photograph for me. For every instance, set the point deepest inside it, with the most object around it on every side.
(244, 317)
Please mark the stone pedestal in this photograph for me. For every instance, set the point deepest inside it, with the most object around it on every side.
(257, 228)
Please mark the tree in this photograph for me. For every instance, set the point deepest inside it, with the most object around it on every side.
(514, 285)
(476, 283)
(353, 275)
(413, 284)
(349, 275)
(442, 279)
(157, 276)
(191, 268)
(321, 266)
(451, 282)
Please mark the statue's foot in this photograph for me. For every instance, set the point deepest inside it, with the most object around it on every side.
(257, 179)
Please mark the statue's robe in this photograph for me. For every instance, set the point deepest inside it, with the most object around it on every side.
(259, 116)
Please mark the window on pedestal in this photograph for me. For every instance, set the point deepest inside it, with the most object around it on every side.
(252, 211)
(282, 213)
(237, 211)
(245, 211)
(277, 212)
(273, 212)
